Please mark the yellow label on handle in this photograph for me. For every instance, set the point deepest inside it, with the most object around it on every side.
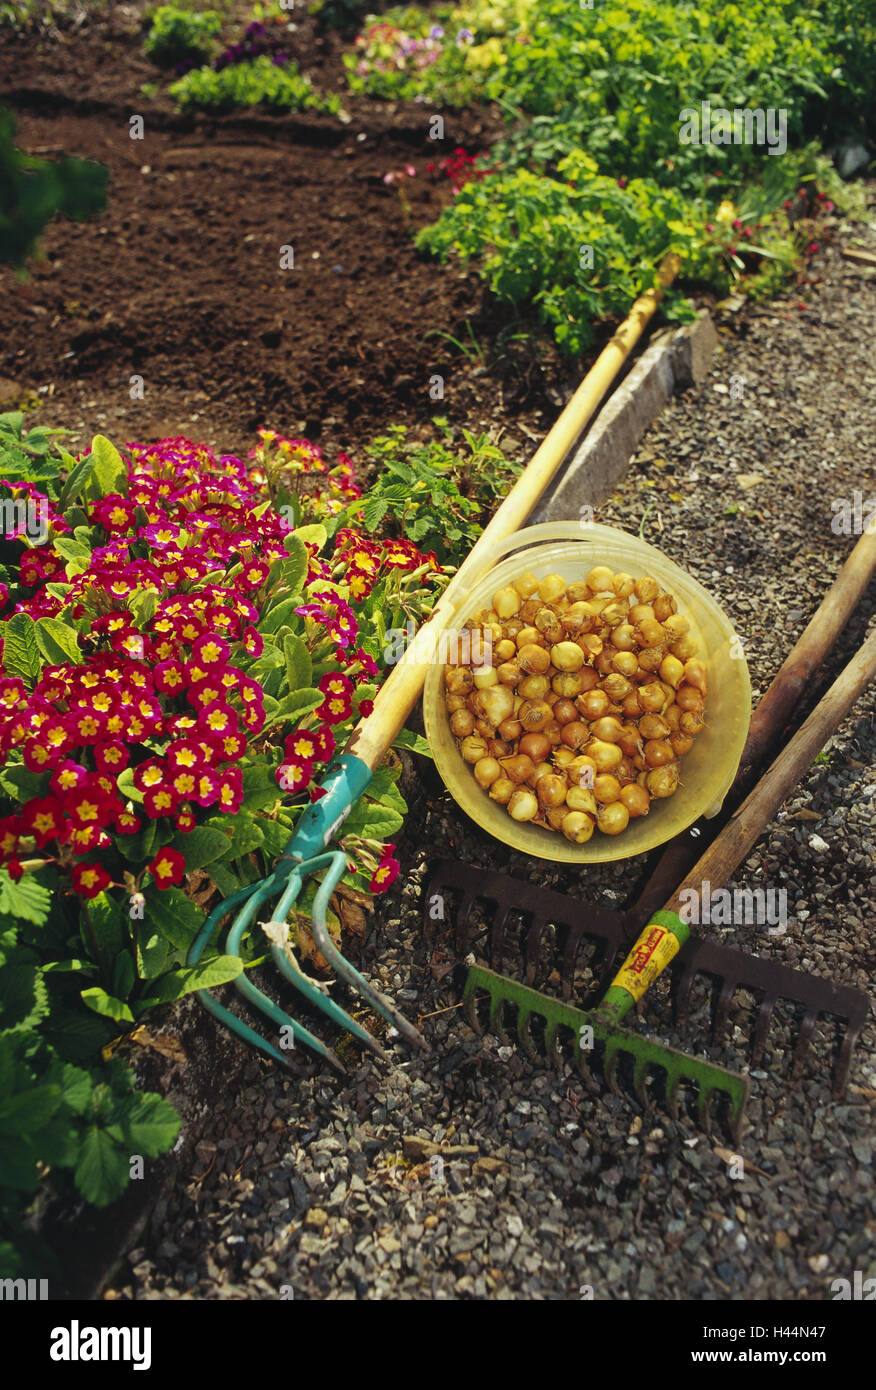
(651, 954)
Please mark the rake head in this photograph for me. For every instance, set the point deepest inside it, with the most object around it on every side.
(564, 928)
(618, 1050)
(305, 856)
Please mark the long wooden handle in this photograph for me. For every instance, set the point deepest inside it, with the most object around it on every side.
(400, 692)
(771, 716)
(745, 825)
(817, 639)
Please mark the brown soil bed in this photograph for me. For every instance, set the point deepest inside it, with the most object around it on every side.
(179, 280)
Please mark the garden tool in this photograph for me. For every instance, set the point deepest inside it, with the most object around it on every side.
(576, 922)
(307, 852)
(666, 932)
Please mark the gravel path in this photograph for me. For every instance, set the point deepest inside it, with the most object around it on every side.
(306, 1187)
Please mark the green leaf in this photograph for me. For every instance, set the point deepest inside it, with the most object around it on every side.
(26, 899)
(201, 846)
(143, 604)
(123, 975)
(414, 742)
(147, 1124)
(28, 1110)
(77, 472)
(103, 1169)
(300, 702)
(172, 913)
(76, 1088)
(125, 784)
(372, 821)
(294, 570)
(299, 667)
(315, 534)
(58, 643)
(19, 782)
(374, 510)
(20, 652)
(188, 978)
(226, 881)
(151, 956)
(110, 473)
(382, 788)
(106, 1005)
(259, 787)
(110, 928)
(281, 612)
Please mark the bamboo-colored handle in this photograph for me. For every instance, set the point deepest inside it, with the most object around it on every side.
(403, 687)
(745, 825)
(779, 702)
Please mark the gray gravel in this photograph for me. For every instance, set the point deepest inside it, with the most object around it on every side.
(302, 1188)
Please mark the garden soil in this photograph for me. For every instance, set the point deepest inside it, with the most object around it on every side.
(179, 282)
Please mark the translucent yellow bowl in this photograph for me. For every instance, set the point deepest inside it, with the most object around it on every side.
(707, 771)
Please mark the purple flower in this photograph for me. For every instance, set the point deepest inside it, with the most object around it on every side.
(436, 32)
(464, 36)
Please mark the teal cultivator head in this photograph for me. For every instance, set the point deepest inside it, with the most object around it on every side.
(304, 856)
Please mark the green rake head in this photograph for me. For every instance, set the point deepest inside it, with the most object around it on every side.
(596, 1033)
(305, 855)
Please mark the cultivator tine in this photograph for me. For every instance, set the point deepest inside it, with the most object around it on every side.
(335, 865)
(616, 1043)
(260, 1000)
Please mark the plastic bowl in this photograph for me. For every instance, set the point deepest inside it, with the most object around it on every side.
(707, 771)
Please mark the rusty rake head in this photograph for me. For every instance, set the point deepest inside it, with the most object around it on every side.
(618, 1052)
(583, 941)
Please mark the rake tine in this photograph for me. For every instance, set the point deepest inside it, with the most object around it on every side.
(672, 1085)
(497, 933)
(527, 1041)
(843, 1062)
(704, 1116)
(469, 1005)
(611, 1063)
(683, 993)
(807, 1027)
(533, 947)
(722, 1009)
(336, 866)
(497, 1019)
(765, 1013)
(640, 1074)
(460, 934)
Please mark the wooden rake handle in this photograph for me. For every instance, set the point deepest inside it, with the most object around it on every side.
(817, 639)
(772, 715)
(729, 849)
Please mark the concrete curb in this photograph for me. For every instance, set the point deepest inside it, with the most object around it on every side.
(674, 360)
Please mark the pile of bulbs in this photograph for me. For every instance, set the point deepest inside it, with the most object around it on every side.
(589, 696)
